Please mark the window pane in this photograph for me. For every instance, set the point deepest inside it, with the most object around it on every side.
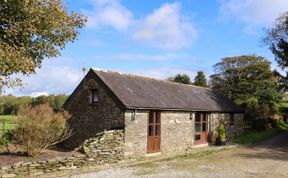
(197, 127)
(95, 98)
(197, 137)
(197, 117)
(151, 117)
(203, 127)
(158, 130)
(150, 130)
(158, 118)
(204, 117)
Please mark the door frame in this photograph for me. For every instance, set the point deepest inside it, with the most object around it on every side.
(204, 135)
(156, 138)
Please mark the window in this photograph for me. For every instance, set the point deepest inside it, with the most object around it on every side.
(197, 137)
(198, 122)
(232, 119)
(154, 124)
(94, 96)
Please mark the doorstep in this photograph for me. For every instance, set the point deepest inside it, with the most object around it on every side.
(153, 154)
(200, 145)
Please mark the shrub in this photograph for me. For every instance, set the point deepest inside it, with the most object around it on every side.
(5, 140)
(222, 132)
(38, 128)
(282, 124)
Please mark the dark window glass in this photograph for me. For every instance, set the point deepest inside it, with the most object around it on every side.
(95, 98)
(232, 119)
(197, 137)
(150, 130)
(197, 127)
(158, 132)
(158, 118)
(204, 117)
(203, 127)
(151, 117)
(197, 117)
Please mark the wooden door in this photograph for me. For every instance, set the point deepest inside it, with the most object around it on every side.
(201, 128)
(154, 132)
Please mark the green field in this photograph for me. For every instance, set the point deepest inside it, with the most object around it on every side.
(8, 118)
(7, 123)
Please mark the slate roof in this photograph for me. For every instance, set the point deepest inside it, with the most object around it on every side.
(137, 92)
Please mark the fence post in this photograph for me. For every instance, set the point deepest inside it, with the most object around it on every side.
(3, 126)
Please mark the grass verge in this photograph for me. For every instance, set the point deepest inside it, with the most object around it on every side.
(254, 136)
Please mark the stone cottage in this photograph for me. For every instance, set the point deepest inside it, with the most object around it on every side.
(155, 115)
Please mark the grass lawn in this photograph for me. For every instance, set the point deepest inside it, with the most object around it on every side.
(254, 136)
(6, 123)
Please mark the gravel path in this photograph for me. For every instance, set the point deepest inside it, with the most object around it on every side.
(265, 159)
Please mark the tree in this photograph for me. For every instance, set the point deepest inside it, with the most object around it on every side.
(200, 79)
(248, 81)
(180, 78)
(277, 40)
(31, 30)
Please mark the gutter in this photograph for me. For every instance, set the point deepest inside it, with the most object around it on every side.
(177, 109)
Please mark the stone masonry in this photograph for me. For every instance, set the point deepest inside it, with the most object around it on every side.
(177, 130)
(105, 147)
(88, 119)
(231, 130)
(136, 133)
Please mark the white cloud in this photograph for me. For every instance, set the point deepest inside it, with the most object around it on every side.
(35, 94)
(109, 13)
(49, 80)
(253, 12)
(165, 28)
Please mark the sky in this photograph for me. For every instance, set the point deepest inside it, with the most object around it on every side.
(155, 38)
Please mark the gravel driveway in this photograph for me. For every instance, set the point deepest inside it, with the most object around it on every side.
(265, 159)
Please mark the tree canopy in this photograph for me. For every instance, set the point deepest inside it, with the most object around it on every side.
(180, 78)
(277, 40)
(248, 81)
(31, 30)
(200, 79)
(11, 104)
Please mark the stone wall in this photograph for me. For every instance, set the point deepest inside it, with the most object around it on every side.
(106, 147)
(135, 133)
(177, 130)
(88, 119)
(231, 130)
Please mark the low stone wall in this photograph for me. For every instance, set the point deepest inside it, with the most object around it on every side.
(106, 147)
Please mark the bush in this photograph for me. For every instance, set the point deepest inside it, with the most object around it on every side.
(222, 132)
(5, 140)
(282, 124)
(38, 128)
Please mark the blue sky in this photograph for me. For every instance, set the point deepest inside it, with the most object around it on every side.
(156, 38)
